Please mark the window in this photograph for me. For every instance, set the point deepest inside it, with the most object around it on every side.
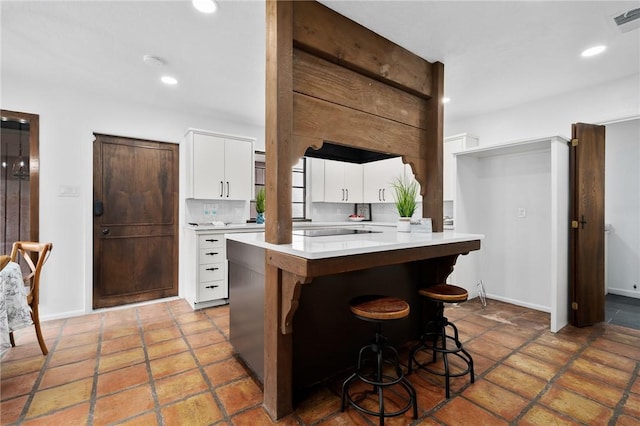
(298, 188)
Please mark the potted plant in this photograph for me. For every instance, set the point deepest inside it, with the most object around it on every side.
(260, 198)
(405, 193)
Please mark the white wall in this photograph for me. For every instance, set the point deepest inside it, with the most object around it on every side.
(67, 122)
(622, 207)
(553, 116)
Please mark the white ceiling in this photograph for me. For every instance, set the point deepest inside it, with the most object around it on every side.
(496, 54)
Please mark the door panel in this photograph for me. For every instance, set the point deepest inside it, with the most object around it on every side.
(135, 235)
(586, 242)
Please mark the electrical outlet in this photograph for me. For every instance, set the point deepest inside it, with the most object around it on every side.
(522, 212)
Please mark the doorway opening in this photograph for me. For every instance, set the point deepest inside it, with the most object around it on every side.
(19, 178)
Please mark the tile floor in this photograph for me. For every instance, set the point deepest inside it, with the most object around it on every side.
(163, 364)
(622, 310)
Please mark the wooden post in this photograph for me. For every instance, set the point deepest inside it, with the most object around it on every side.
(278, 141)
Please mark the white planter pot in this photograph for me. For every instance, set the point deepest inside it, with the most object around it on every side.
(404, 224)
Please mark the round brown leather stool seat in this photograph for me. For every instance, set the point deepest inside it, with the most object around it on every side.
(378, 362)
(435, 339)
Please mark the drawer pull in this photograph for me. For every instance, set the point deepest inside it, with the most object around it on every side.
(212, 286)
(213, 253)
(212, 269)
(212, 241)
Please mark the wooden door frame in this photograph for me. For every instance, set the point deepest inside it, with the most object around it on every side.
(34, 167)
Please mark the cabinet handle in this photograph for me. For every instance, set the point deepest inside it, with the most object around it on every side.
(383, 199)
(212, 241)
(221, 189)
(213, 253)
(212, 269)
(342, 194)
(379, 196)
(347, 191)
(227, 189)
(212, 286)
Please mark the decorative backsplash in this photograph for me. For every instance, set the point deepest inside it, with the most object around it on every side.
(207, 211)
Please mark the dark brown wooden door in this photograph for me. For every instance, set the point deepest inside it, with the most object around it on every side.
(586, 241)
(135, 220)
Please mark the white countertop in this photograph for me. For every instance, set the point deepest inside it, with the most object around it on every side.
(296, 225)
(345, 245)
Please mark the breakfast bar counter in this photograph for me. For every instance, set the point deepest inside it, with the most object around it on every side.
(302, 332)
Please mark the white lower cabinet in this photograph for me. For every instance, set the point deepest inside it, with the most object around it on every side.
(205, 281)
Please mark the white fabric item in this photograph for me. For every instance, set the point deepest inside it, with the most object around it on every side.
(14, 311)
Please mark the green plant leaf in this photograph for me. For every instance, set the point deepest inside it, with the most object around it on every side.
(405, 193)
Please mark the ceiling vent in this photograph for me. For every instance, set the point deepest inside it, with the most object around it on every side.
(628, 21)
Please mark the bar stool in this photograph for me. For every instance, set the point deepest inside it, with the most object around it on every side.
(379, 309)
(434, 339)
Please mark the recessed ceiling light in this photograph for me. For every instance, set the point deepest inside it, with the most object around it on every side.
(592, 51)
(205, 6)
(446, 100)
(169, 80)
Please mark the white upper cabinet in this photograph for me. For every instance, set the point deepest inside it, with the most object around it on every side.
(219, 167)
(336, 181)
(378, 178)
(453, 144)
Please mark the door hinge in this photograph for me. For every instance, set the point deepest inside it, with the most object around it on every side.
(574, 142)
(574, 306)
(574, 224)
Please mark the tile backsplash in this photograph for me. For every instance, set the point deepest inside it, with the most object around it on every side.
(207, 211)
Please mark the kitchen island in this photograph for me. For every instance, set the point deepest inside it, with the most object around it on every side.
(302, 332)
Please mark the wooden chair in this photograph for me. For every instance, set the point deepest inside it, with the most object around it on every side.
(34, 254)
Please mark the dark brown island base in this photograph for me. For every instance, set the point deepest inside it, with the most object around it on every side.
(305, 333)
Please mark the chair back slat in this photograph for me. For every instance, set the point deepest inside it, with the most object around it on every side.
(34, 254)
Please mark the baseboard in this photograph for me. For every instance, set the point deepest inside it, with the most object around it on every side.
(534, 306)
(622, 292)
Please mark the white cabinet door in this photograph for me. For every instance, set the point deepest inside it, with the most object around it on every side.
(342, 182)
(334, 191)
(220, 168)
(208, 166)
(378, 177)
(238, 169)
(352, 182)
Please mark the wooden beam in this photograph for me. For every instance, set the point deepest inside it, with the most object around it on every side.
(320, 30)
(278, 125)
(322, 120)
(324, 80)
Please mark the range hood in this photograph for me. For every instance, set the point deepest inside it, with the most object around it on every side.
(348, 154)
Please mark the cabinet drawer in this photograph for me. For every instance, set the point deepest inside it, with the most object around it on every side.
(212, 290)
(207, 241)
(211, 255)
(211, 272)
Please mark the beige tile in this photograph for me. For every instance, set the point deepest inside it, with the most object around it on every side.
(52, 399)
(523, 384)
(197, 410)
(496, 399)
(57, 376)
(591, 388)
(240, 395)
(121, 379)
(595, 370)
(576, 406)
(122, 405)
(539, 415)
(166, 347)
(12, 408)
(225, 371)
(172, 365)
(218, 352)
(76, 415)
(180, 386)
(121, 359)
(21, 366)
(155, 336)
(547, 354)
(206, 338)
(12, 387)
(461, 411)
(120, 344)
(72, 355)
(531, 365)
